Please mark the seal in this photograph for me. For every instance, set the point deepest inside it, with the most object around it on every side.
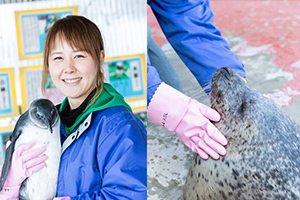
(39, 124)
(263, 150)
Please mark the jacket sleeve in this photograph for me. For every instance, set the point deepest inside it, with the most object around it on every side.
(153, 81)
(187, 24)
(122, 162)
(124, 169)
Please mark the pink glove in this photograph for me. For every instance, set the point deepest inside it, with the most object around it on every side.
(62, 198)
(10, 193)
(189, 119)
(23, 164)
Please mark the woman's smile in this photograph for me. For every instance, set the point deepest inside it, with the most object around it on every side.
(71, 81)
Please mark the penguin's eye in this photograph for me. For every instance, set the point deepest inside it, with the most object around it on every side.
(38, 115)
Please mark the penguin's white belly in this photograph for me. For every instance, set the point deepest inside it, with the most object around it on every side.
(42, 185)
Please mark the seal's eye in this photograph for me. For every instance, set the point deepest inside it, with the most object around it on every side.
(242, 108)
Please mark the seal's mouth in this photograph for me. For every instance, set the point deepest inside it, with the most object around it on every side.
(221, 78)
(215, 93)
(215, 97)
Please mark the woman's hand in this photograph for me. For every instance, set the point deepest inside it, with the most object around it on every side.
(24, 163)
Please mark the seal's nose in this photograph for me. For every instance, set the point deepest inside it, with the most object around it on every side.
(227, 70)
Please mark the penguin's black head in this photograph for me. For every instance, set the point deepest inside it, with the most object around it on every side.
(43, 114)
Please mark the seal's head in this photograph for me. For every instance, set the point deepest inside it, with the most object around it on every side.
(43, 114)
(262, 160)
(233, 98)
(240, 108)
(229, 91)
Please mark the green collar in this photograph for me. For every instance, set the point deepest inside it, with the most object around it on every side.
(108, 98)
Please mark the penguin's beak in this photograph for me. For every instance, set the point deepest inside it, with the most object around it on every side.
(48, 123)
(50, 127)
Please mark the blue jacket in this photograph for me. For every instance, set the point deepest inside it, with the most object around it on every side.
(187, 24)
(105, 157)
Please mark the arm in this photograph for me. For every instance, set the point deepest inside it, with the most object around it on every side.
(188, 118)
(24, 163)
(126, 169)
(153, 81)
(122, 163)
(188, 27)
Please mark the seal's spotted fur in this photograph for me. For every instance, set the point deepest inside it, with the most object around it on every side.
(263, 153)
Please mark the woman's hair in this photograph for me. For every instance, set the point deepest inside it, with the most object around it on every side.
(80, 33)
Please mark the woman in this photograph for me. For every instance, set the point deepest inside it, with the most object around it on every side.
(103, 142)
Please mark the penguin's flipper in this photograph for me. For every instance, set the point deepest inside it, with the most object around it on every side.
(10, 150)
(7, 162)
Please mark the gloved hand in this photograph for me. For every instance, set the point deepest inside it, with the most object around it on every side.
(62, 198)
(10, 193)
(189, 119)
(23, 164)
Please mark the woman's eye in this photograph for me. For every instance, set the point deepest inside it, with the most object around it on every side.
(57, 58)
(79, 56)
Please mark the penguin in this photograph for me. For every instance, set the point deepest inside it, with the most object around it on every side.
(39, 124)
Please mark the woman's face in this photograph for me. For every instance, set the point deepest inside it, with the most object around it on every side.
(72, 71)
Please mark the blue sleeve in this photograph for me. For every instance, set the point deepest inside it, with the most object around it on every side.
(125, 166)
(122, 162)
(153, 81)
(187, 24)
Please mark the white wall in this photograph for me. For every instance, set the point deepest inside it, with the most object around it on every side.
(122, 23)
